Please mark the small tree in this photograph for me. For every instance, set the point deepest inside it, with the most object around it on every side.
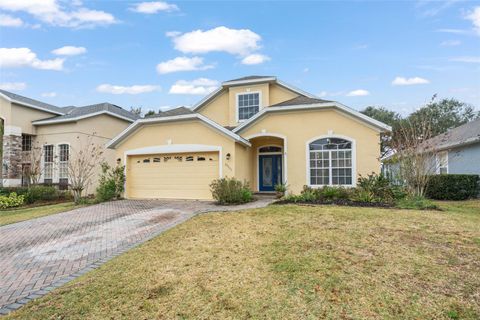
(112, 182)
(35, 168)
(82, 165)
(414, 154)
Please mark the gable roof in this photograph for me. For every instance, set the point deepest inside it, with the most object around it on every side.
(190, 116)
(172, 112)
(31, 103)
(465, 134)
(299, 101)
(312, 104)
(249, 80)
(77, 113)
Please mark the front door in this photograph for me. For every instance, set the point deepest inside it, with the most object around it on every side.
(270, 170)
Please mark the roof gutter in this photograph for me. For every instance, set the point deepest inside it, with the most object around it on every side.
(89, 115)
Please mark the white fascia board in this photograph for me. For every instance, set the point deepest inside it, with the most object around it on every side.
(193, 116)
(465, 142)
(297, 90)
(207, 98)
(30, 105)
(173, 148)
(250, 81)
(377, 124)
(52, 121)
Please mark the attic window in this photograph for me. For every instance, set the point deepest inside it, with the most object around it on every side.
(248, 105)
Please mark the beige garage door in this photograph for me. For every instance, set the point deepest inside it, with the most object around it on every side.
(173, 176)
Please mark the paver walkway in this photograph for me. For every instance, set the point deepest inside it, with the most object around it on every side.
(39, 255)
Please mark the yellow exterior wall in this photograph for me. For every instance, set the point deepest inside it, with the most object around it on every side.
(104, 128)
(217, 109)
(5, 111)
(181, 132)
(302, 126)
(223, 109)
(23, 116)
(243, 164)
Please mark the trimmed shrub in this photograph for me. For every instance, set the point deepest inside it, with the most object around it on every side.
(106, 191)
(453, 187)
(230, 191)
(41, 193)
(10, 201)
(5, 191)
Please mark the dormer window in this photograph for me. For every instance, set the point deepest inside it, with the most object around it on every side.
(248, 104)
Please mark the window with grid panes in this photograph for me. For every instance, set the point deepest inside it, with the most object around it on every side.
(330, 162)
(248, 105)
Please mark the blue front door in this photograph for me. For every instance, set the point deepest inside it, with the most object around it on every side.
(270, 170)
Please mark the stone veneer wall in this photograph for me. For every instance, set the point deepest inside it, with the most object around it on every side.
(12, 159)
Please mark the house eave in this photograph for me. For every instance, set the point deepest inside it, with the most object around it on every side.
(93, 114)
(195, 116)
(28, 105)
(374, 123)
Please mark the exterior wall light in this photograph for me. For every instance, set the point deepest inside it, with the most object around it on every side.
(228, 156)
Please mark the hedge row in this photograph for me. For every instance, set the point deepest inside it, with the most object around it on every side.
(453, 187)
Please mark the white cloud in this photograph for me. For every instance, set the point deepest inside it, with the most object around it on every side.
(402, 81)
(154, 7)
(182, 64)
(255, 58)
(13, 86)
(306, 70)
(51, 12)
(221, 39)
(135, 89)
(450, 43)
(69, 51)
(466, 59)
(9, 21)
(358, 93)
(201, 86)
(454, 31)
(49, 94)
(474, 16)
(24, 57)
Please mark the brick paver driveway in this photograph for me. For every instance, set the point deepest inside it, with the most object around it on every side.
(39, 255)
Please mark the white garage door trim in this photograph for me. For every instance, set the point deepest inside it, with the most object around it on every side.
(174, 148)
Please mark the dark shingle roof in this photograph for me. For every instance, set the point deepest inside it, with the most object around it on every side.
(21, 99)
(172, 112)
(464, 134)
(300, 100)
(250, 78)
(74, 112)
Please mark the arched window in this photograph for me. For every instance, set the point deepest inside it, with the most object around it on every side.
(330, 161)
(270, 149)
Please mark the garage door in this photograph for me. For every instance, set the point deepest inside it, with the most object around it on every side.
(173, 176)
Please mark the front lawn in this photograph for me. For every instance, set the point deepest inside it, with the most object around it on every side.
(289, 262)
(27, 213)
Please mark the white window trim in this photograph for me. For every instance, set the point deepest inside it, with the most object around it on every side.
(42, 176)
(266, 154)
(260, 105)
(58, 161)
(438, 161)
(354, 161)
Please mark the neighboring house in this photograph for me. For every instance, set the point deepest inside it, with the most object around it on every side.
(57, 131)
(256, 129)
(458, 150)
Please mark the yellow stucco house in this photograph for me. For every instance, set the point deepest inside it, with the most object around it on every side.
(29, 124)
(257, 129)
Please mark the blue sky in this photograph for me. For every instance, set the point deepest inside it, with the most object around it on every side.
(160, 54)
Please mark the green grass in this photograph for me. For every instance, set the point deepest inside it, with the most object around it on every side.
(22, 214)
(289, 262)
